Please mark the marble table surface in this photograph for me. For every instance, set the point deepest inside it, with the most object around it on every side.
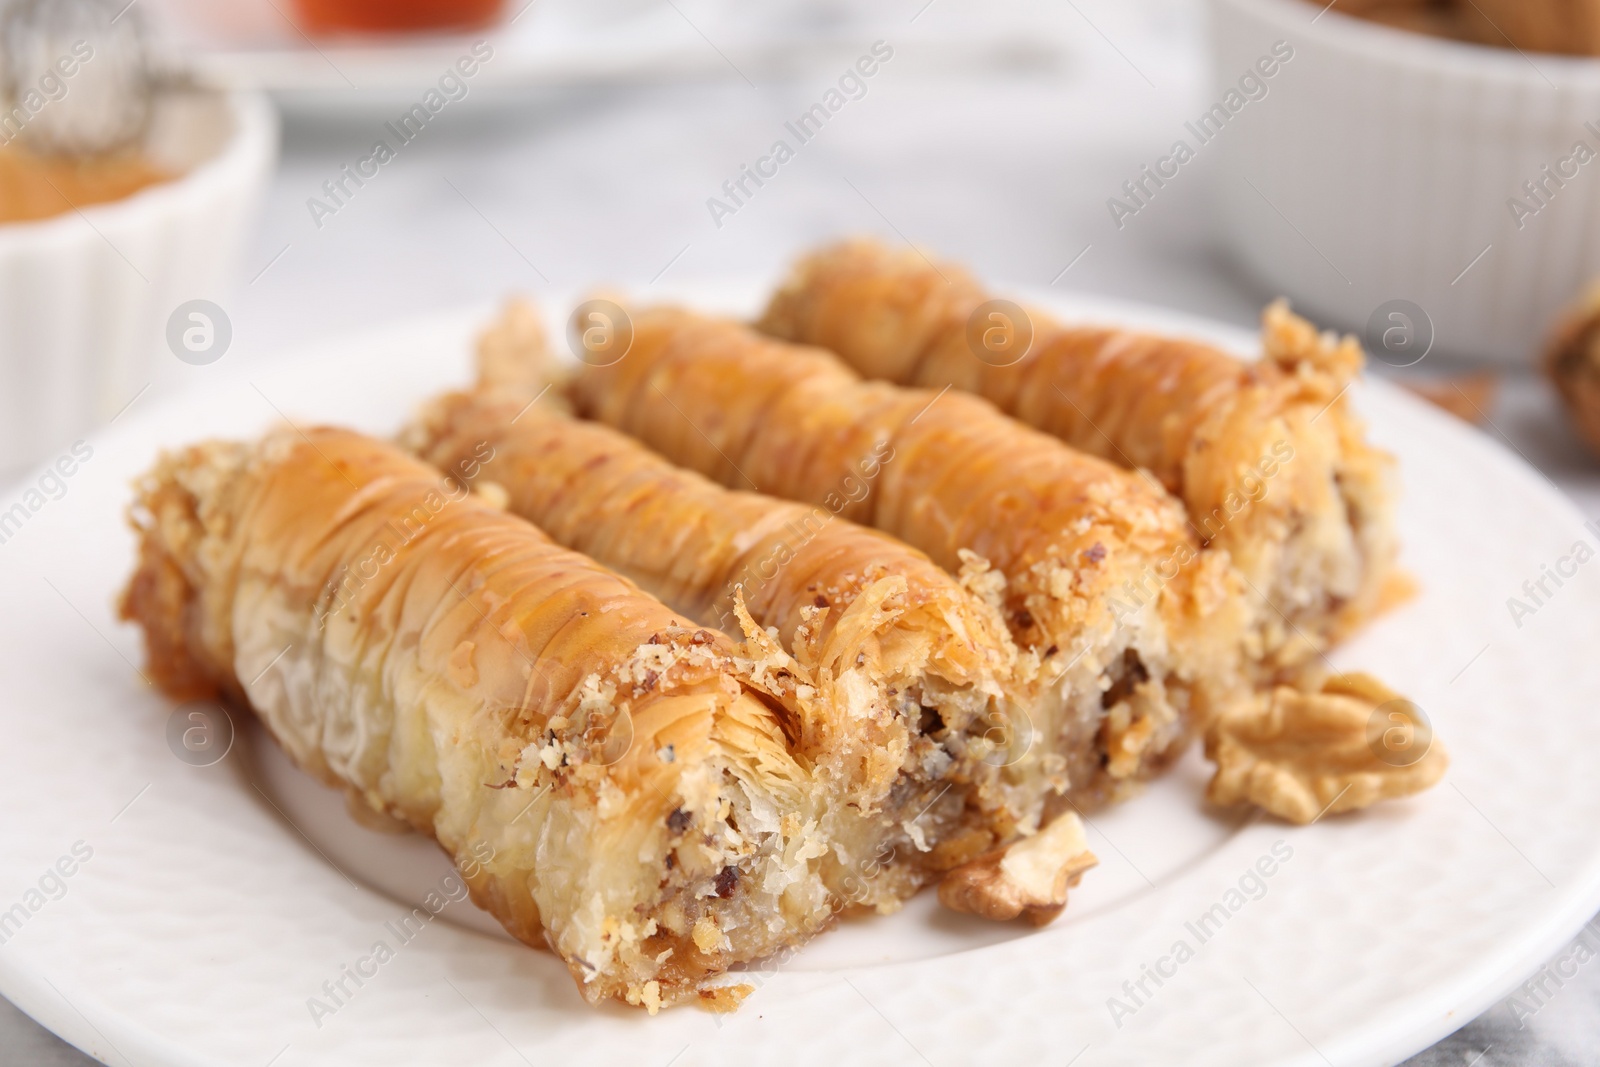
(1004, 160)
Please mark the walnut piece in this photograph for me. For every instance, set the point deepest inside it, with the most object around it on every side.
(707, 938)
(1029, 877)
(1303, 753)
(1560, 26)
(1572, 359)
(722, 999)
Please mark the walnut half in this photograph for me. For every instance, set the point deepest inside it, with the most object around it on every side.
(1302, 753)
(1029, 877)
(1572, 359)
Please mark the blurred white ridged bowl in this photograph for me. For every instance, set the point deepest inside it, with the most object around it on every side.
(1380, 167)
(85, 296)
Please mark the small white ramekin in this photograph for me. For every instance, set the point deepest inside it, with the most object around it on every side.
(85, 296)
(1382, 166)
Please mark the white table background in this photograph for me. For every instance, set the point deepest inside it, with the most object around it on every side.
(983, 139)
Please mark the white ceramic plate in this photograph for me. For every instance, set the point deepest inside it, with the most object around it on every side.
(218, 900)
(564, 43)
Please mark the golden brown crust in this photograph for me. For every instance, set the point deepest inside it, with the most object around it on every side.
(603, 775)
(1267, 457)
(885, 635)
(160, 599)
(1102, 582)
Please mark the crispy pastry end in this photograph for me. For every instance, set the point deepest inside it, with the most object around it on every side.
(1323, 361)
(513, 355)
(1303, 753)
(1028, 878)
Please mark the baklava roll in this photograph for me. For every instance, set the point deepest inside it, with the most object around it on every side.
(1269, 458)
(1129, 635)
(626, 794)
(914, 746)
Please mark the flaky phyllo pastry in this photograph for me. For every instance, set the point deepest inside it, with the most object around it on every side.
(941, 633)
(1269, 459)
(920, 759)
(1133, 636)
(634, 785)
(1128, 636)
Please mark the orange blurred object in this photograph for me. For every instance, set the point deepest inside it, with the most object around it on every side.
(368, 16)
(1468, 396)
(39, 187)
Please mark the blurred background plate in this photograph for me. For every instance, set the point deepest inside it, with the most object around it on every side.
(567, 43)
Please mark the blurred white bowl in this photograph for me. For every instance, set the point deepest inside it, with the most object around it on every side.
(85, 296)
(1382, 165)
